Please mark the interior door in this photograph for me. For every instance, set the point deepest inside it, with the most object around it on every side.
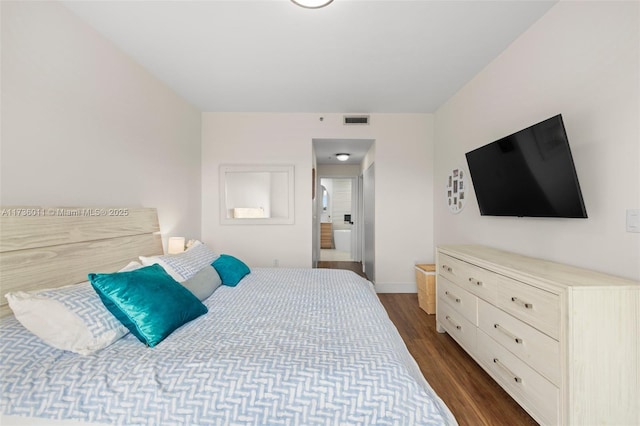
(357, 240)
(368, 198)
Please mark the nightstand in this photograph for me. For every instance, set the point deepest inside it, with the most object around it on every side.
(426, 283)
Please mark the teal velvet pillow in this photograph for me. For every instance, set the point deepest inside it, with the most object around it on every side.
(147, 301)
(230, 269)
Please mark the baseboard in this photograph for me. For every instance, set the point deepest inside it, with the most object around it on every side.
(396, 288)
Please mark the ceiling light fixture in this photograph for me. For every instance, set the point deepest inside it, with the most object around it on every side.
(312, 4)
(342, 157)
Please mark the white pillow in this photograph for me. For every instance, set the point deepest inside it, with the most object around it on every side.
(185, 265)
(71, 318)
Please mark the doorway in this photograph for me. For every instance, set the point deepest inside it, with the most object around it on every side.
(338, 218)
(338, 205)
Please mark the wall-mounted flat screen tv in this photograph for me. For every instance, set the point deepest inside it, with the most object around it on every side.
(528, 174)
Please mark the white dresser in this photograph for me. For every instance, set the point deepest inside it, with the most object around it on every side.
(562, 341)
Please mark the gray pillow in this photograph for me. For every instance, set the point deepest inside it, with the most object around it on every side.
(203, 283)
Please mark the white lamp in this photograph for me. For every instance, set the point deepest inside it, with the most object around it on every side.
(312, 4)
(342, 156)
(176, 245)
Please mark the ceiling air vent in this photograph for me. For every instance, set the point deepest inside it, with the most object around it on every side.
(356, 119)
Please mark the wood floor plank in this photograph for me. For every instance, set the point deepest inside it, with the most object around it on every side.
(351, 266)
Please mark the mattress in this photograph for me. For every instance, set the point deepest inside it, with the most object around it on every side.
(286, 346)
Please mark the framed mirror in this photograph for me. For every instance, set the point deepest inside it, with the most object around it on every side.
(256, 194)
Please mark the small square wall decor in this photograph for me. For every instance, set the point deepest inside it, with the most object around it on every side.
(456, 190)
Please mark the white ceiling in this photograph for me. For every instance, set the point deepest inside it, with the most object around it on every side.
(354, 56)
(326, 150)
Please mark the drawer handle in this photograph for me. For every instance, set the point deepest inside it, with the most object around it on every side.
(458, 327)
(504, 367)
(452, 297)
(474, 281)
(521, 303)
(507, 332)
(447, 268)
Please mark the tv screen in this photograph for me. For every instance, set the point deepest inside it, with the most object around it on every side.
(529, 173)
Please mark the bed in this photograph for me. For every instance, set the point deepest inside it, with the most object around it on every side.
(283, 346)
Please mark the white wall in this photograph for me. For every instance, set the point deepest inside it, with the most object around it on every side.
(404, 188)
(582, 60)
(339, 170)
(82, 124)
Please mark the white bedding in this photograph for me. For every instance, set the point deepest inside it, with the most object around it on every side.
(286, 346)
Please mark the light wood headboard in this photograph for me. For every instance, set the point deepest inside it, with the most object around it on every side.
(46, 247)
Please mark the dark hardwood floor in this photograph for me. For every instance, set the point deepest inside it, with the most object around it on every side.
(351, 266)
(471, 395)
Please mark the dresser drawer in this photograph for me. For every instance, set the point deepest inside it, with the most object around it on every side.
(457, 326)
(538, 350)
(461, 300)
(535, 306)
(474, 279)
(535, 393)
